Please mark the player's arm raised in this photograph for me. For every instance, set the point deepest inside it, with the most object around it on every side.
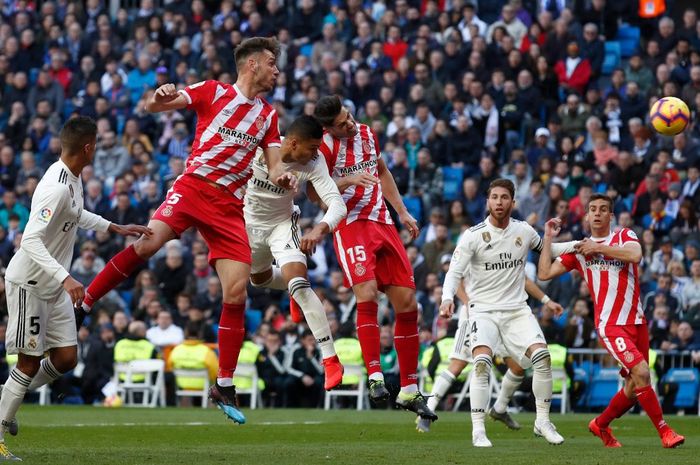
(166, 98)
(391, 194)
(327, 191)
(461, 258)
(630, 252)
(45, 205)
(547, 269)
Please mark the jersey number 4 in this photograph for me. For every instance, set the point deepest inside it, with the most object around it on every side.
(356, 254)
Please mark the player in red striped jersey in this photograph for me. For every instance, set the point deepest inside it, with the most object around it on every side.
(608, 262)
(370, 250)
(232, 122)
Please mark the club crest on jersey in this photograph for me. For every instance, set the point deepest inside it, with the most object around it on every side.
(365, 146)
(32, 343)
(629, 356)
(259, 122)
(518, 241)
(167, 211)
(360, 270)
(486, 236)
(45, 215)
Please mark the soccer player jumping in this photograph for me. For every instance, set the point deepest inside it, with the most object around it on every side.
(271, 221)
(232, 122)
(370, 251)
(608, 262)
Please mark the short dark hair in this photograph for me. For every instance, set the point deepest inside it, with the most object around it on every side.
(597, 196)
(192, 330)
(77, 132)
(504, 183)
(327, 110)
(305, 127)
(255, 45)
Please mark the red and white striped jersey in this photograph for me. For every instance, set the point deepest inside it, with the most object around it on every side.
(230, 127)
(347, 157)
(614, 284)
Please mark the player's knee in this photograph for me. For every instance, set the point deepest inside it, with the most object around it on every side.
(541, 360)
(482, 365)
(261, 279)
(65, 363)
(367, 294)
(29, 365)
(300, 288)
(235, 291)
(516, 369)
(146, 247)
(641, 376)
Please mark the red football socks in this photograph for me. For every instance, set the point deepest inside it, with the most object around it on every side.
(231, 335)
(114, 273)
(650, 403)
(407, 346)
(617, 407)
(368, 334)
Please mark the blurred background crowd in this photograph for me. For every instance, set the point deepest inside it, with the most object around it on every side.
(552, 94)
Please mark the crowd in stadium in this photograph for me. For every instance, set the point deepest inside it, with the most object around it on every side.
(459, 93)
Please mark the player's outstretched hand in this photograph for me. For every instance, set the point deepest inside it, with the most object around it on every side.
(552, 227)
(447, 309)
(75, 290)
(134, 230)
(587, 247)
(555, 307)
(287, 181)
(166, 93)
(310, 240)
(410, 223)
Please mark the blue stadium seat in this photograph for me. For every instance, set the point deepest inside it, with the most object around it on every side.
(414, 206)
(603, 387)
(628, 36)
(688, 380)
(253, 319)
(452, 183)
(612, 57)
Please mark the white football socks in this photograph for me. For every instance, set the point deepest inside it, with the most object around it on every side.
(12, 396)
(300, 290)
(276, 281)
(542, 382)
(440, 388)
(47, 373)
(479, 391)
(511, 383)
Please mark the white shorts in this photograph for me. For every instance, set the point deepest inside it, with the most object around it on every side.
(516, 329)
(280, 243)
(36, 325)
(462, 348)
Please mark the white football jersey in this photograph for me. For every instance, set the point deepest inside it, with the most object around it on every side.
(44, 258)
(495, 261)
(267, 205)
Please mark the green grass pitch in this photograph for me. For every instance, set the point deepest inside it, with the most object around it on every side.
(89, 435)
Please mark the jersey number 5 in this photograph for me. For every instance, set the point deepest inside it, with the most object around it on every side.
(356, 254)
(174, 198)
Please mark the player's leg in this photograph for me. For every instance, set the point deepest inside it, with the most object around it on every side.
(521, 335)
(479, 393)
(640, 377)
(511, 382)
(442, 384)
(407, 345)
(459, 359)
(120, 267)
(294, 273)
(234, 277)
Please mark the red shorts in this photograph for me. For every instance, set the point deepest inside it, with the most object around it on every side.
(215, 212)
(368, 250)
(629, 344)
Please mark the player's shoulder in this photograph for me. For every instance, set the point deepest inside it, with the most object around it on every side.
(520, 226)
(55, 176)
(628, 235)
(477, 227)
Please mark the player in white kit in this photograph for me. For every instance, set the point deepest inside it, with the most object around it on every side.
(461, 356)
(271, 221)
(41, 294)
(495, 252)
